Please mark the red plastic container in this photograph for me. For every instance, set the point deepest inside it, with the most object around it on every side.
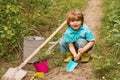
(41, 66)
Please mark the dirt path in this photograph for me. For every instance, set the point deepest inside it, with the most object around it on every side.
(92, 18)
(93, 15)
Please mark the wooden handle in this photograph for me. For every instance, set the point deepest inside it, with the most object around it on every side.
(41, 46)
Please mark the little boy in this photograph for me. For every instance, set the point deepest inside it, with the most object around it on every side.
(78, 38)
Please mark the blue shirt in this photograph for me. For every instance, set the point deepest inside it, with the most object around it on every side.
(83, 32)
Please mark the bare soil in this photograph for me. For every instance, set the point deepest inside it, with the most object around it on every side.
(92, 14)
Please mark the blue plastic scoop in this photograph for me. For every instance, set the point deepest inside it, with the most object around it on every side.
(71, 65)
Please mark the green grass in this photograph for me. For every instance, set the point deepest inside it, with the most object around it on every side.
(107, 49)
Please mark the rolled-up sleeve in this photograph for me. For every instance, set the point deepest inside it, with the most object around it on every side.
(68, 38)
(90, 35)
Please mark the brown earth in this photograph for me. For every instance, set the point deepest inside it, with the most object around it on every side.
(93, 14)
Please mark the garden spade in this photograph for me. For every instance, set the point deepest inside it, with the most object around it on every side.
(71, 65)
(17, 73)
(14, 74)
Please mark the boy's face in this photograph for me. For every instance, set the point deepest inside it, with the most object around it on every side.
(75, 24)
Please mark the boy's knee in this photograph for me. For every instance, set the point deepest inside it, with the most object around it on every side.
(63, 45)
(81, 43)
(62, 41)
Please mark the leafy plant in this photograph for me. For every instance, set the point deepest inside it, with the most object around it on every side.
(106, 67)
(41, 57)
(18, 15)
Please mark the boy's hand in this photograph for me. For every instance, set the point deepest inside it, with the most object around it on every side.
(74, 55)
(77, 57)
(80, 51)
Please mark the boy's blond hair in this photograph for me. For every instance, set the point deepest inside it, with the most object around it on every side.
(74, 15)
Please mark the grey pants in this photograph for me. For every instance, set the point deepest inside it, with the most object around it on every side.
(80, 43)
